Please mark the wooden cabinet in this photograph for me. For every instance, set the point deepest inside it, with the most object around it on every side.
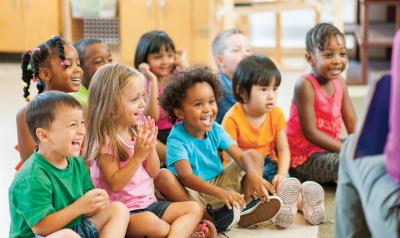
(26, 23)
(186, 21)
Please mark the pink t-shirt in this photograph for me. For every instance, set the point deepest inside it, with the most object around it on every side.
(328, 118)
(138, 193)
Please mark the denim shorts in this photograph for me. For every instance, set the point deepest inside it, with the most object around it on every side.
(270, 169)
(158, 208)
(85, 229)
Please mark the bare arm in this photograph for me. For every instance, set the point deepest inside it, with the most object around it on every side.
(25, 141)
(304, 98)
(162, 152)
(152, 105)
(91, 202)
(186, 176)
(348, 114)
(282, 147)
(152, 163)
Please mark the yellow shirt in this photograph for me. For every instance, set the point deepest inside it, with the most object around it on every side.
(247, 137)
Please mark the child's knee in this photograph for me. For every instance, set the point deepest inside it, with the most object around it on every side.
(156, 227)
(66, 233)
(163, 177)
(118, 209)
(195, 208)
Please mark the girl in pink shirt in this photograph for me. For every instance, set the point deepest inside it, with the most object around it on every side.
(157, 59)
(120, 150)
(319, 105)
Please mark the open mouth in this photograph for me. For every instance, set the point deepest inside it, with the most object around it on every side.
(76, 79)
(76, 145)
(139, 118)
(207, 120)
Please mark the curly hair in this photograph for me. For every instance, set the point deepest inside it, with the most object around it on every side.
(317, 36)
(175, 90)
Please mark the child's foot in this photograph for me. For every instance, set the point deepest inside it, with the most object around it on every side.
(313, 202)
(256, 212)
(224, 218)
(289, 192)
(206, 230)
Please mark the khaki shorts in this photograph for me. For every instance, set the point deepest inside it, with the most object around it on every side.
(230, 178)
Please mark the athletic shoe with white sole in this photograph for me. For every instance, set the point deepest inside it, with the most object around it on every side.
(289, 192)
(259, 212)
(313, 202)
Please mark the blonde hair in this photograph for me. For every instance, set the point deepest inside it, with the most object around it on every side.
(104, 111)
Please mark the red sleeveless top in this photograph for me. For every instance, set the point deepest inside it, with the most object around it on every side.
(328, 119)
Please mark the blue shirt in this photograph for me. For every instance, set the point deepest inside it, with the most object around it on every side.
(202, 154)
(226, 101)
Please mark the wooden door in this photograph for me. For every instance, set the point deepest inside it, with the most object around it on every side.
(11, 25)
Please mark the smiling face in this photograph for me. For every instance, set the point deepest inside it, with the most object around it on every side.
(330, 62)
(198, 109)
(132, 101)
(65, 78)
(162, 63)
(95, 56)
(65, 135)
(262, 99)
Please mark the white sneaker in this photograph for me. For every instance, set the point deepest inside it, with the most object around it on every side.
(313, 202)
(289, 192)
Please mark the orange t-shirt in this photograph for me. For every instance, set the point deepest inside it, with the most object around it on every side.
(247, 137)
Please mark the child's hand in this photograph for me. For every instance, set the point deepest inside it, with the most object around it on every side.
(232, 199)
(146, 138)
(277, 180)
(92, 200)
(181, 61)
(144, 68)
(258, 187)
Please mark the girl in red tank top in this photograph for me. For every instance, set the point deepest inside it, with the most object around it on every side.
(319, 105)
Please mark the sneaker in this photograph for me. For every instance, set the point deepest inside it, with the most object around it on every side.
(313, 202)
(206, 230)
(289, 192)
(256, 211)
(224, 218)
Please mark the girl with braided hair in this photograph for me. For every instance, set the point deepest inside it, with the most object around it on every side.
(53, 65)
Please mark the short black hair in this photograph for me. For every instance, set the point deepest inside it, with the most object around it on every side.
(149, 43)
(254, 70)
(175, 90)
(81, 45)
(41, 111)
(316, 37)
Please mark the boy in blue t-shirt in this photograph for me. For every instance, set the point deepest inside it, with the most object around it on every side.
(52, 194)
(192, 155)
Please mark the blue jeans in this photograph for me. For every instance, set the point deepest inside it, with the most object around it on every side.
(367, 199)
(158, 208)
(85, 229)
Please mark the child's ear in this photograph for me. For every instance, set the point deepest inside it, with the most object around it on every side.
(219, 60)
(42, 135)
(243, 95)
(310, 59)
(44, 74)
(179, 113)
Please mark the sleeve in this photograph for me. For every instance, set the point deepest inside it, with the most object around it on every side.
(225, 140)
(87, 182)
(34, 199)
(176, 150)
(230, 127)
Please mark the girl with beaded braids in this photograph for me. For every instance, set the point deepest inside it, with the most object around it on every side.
(320, 105)
(53, 65)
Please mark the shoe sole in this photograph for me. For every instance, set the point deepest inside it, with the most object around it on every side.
(313, 194)
(263, 212)
(289, 192)
(236, 218)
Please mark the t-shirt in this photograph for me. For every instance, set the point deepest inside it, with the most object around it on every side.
(202, 154)
(82, 96)
(138, 193)
(39, 189)
(227, 100)
(248, 137)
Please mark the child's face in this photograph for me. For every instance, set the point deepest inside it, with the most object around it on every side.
(133, 97)
(332, 61)
(262, 98)
(65, 135)
(65, 78)
(96, 55)
(198, 109)
(162, 63)
(237, 48)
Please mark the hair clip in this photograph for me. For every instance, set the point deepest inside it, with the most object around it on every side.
(35, 79)
(29, 67)
(36, 50)
(25, 85)
(29, 52)
(62, 63)
(40, 83)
